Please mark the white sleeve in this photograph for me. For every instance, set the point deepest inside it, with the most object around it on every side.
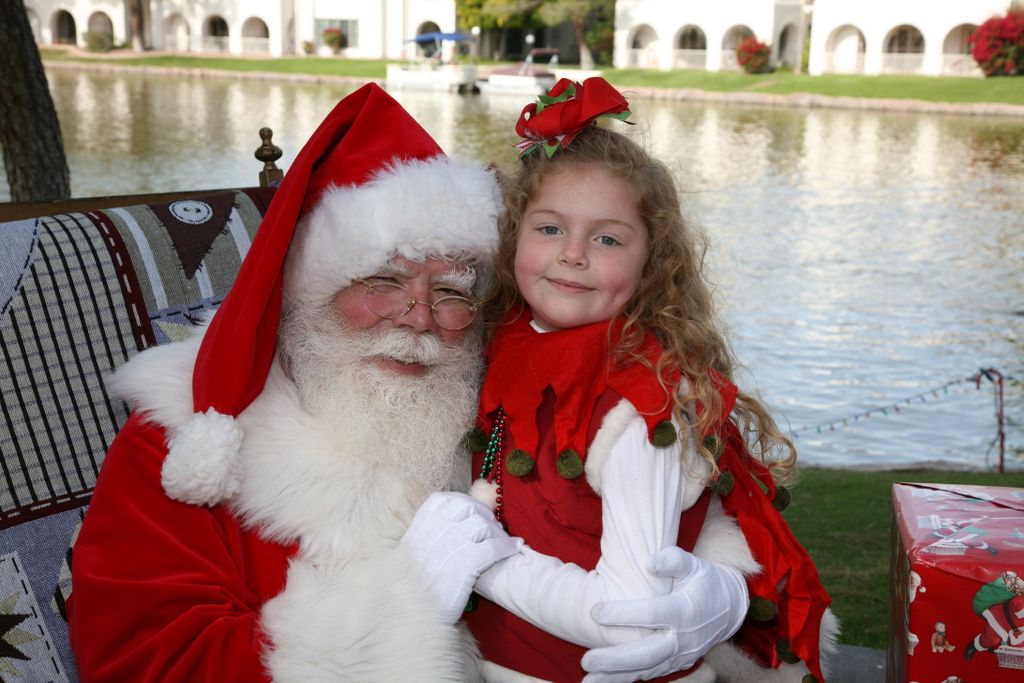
(643, 493)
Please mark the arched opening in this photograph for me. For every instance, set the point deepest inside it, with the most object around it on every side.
(691, 48)
(788, 50)
(255, 35)
(99, 33)
(64, 31)
(215, 34)
(643, 48)
(177, 35)
(904, 51)
(99, 22)
(732, 39)
(956, 52)
(428, 49)
(844, 51)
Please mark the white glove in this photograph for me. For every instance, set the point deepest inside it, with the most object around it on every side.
(707, 604)
(451, 540)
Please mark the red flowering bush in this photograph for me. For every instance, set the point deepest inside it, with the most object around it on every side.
(998, 44)
(753, 55)
(334, 38)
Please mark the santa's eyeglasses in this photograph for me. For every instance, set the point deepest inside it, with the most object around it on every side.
(391, 300)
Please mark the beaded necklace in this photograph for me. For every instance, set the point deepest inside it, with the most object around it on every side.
(490, 469)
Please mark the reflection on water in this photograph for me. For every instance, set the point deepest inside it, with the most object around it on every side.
(860, 258)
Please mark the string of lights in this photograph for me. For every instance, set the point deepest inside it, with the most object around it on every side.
(992, 375)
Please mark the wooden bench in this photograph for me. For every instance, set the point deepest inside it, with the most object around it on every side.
(84, 287)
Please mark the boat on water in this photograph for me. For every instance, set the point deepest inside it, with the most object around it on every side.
(432, 71)
(527, 77)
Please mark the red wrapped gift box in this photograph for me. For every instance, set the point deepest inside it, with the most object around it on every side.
(958, 584)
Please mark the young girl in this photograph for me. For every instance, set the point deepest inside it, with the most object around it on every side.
(610, 427)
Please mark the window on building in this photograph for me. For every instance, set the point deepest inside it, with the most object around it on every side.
(349, 28)
(692, 38)
(906, 39)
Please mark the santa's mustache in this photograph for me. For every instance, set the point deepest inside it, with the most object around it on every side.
(401, 345)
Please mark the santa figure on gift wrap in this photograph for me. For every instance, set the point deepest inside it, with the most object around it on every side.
(1001, 604)
(952, 532)
(939, 641)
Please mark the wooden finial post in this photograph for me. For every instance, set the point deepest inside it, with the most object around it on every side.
(268, 153)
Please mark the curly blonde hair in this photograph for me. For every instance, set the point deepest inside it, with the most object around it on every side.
(673, 300)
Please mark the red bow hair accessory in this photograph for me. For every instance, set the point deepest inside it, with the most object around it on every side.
(555, 119)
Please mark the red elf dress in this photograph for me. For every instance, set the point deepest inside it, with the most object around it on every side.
(585, 463)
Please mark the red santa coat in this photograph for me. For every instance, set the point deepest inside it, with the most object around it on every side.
(1009, 616)
(164, 590)
(296, 578)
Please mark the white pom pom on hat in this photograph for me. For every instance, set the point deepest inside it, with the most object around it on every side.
(202, 466)
(375, 185)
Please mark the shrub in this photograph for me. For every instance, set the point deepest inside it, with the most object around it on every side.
(308, 47)
(334, 38)
(998, 44)
(753, 55)
(98, 41)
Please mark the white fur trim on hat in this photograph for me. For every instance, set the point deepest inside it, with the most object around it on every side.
(202, 466)
(437, 207)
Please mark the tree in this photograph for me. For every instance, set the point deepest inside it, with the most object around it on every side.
(496, 14)
(580, 13)
(509, 13)
(592, 20)
(600, 32)
(469, 13)
(138, 24)
(37, 169)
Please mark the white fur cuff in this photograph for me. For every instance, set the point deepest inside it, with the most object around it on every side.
(202, 465)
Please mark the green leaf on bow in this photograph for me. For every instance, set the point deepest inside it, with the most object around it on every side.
(567, 94)
(550, 149)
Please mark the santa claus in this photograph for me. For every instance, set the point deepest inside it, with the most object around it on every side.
(1001, 604)
(261, 515)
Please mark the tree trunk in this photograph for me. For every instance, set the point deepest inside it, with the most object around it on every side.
(586, 56)
(29, 130)
(138, 23)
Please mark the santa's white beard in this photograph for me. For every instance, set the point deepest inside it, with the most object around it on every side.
(415, 423)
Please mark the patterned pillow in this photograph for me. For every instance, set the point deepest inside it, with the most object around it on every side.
(81, 293)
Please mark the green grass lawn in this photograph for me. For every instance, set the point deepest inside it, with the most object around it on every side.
(929, 88)
(843, 518)
(317, 66)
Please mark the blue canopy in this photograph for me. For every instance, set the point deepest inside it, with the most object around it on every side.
(436, 36)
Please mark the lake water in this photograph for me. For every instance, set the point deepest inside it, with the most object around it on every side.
(866, 263)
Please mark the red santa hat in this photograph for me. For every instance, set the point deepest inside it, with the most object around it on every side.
(369, 184)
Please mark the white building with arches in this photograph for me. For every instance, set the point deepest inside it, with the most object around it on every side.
(863, 36)
(373, 29)
(845, 36)
(897, 36)
(669, 34)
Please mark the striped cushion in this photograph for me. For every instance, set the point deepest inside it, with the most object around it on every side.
(81, 293)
